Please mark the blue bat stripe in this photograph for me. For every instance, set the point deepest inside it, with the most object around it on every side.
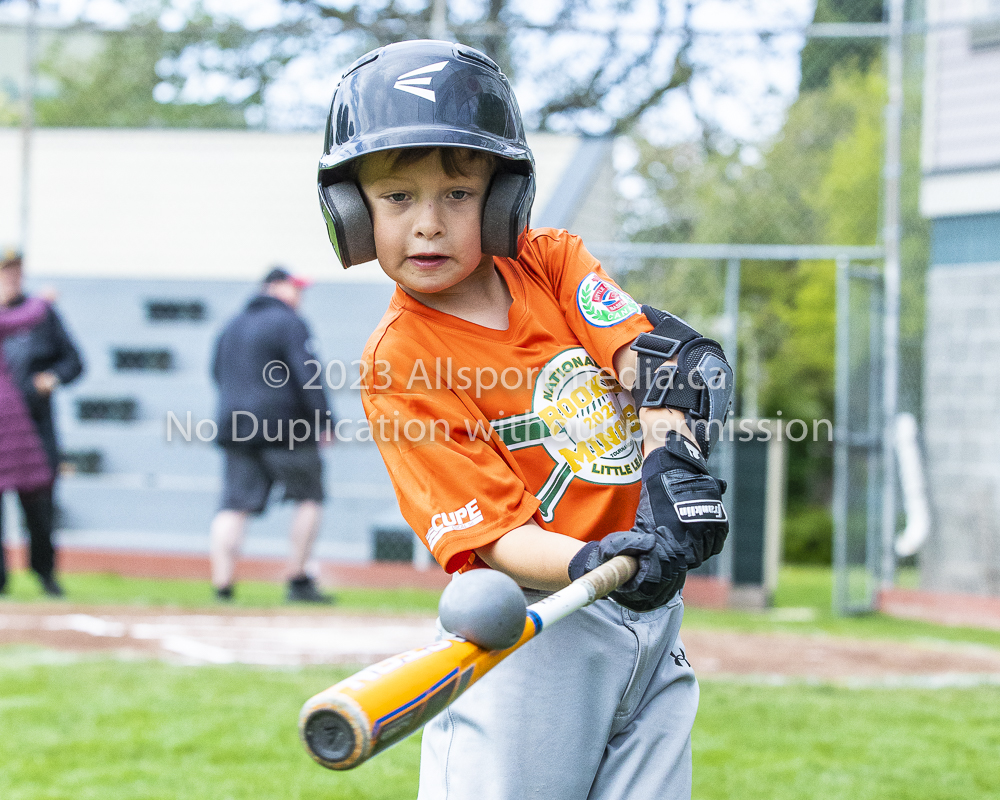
(415, 701)
(533, 616)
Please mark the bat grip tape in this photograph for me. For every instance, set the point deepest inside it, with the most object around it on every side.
(582, 592)
(610, 575)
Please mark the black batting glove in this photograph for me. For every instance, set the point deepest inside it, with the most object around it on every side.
(680, 523)
(661, 570)
(680, 497)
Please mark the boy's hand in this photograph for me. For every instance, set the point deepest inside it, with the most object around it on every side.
(680, 522)
(679, 496)
(661, 566)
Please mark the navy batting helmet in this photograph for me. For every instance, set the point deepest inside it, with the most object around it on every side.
(424, 94)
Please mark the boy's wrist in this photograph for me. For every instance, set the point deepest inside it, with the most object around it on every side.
(657, 423)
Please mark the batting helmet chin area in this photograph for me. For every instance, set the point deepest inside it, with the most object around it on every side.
(424, 94)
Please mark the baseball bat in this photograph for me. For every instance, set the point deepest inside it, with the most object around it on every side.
(359, 717)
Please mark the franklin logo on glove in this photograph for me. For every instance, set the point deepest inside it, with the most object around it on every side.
(695, 511)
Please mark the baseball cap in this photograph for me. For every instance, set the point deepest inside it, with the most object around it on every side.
(282, 274)
(11, 258)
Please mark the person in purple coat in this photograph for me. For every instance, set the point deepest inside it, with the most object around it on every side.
(24, 466)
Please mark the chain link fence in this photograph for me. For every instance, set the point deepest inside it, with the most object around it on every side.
(768, 130)
(821, 177)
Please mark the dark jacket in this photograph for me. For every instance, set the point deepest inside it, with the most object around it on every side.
(267, 334)
(47, 347)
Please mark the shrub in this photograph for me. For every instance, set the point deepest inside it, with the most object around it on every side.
(808, 535)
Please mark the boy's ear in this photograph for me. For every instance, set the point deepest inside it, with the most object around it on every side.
(348, 222)
(505, 214)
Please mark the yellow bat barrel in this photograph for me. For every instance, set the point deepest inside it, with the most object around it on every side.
(386, 702)
(353, 720)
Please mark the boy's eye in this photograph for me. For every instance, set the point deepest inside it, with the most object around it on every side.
(459, 194)
(397, 197)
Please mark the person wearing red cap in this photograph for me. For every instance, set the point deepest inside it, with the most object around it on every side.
(271, 419)
(279, 280)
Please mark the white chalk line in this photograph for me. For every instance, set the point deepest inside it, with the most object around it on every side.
(272, 641)
(298, 640)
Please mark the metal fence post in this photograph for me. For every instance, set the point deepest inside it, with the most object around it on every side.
(28, 120)
(840, 437)
(891, 237)
(731, 314)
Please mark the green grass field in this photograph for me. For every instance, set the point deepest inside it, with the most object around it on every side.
(104, 589)
(87, 727)
(96, 729)
(810, 589)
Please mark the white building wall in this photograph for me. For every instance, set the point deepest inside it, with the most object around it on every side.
(187, 203)
(962, 87)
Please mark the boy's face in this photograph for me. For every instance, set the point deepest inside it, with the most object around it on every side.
(427, 223)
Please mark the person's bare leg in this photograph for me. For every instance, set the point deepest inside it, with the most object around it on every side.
(305, 529)
(226, 537)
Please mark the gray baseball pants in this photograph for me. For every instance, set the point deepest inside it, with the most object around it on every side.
(599, 707)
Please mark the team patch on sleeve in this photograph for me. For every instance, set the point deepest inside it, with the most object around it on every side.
(602, 303)
(465, 517)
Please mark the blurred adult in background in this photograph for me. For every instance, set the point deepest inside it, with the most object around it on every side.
(269, 407)
(38, 355)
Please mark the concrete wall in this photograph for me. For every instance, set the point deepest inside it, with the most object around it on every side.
(962, 428)
(960, 193)
(155, 493)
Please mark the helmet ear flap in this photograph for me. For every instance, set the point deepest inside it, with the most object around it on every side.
(505, 214)
(348, 222)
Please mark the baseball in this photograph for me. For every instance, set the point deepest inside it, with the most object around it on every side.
(484, 606)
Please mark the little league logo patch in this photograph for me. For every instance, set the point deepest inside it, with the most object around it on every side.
(603, 304)
(585, 421)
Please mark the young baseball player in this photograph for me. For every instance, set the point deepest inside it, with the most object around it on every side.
(495, 387)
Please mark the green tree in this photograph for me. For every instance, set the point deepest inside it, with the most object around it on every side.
(10, 114)
(818, 181)
(593, 66)
(821, 56)
(590, 66)
(139, 76)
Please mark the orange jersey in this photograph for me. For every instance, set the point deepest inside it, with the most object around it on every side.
(482, 430)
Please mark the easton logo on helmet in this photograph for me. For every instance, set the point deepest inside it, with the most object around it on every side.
(410, 82)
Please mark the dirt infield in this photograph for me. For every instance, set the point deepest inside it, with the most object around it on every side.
(229, 636)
